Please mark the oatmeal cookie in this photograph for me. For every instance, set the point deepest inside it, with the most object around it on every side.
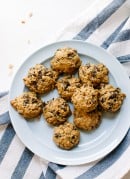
(85, 98)
(56, 111)
(40, 79)
(66, 60)
(28, 105)
(66, 136)
(87, 121)
(67, 85)
(94, 74)
(111, 98)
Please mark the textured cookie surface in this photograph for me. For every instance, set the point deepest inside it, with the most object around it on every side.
(40, 79)
(66, 136)
(111, 98)
(56, 111)
(28, 105)
(87, 121)
(66, 60)
(93, 74)
(67, 85)
(85, 99)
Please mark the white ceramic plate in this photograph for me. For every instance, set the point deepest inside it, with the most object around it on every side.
(37, 135)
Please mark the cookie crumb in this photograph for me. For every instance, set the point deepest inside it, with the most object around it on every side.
(30, 14)
(28, 41)
(23, 22)
(10, 69)
(10, 66)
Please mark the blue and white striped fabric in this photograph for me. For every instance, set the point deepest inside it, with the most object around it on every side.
(107, 24)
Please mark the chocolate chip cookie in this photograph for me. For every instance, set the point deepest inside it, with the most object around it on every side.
(66, 136)
(85, 98)
(28, 105)
(56, 111)
(111, 98)
(40, 79)
(87, 121)
(94, 74)
(67, 85)
(66, 60)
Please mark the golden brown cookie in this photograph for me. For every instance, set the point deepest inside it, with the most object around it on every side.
(56, 111)
(28, 105)
(67, 85)
(111, 98)
(94, 74)
(40, 79)
(66, 60)
(87, 121)
(85, 99)
(66, 136)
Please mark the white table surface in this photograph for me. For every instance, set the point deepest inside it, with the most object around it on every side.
(27, 25)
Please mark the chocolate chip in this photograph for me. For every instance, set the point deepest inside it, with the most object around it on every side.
(57, 135)
(25, 102)
(66, 85)
(94, 72)
(102, 100)
(73, 137)
(34, 100)
(39, 74)
(70, 55)
(112, 96)
(34, 83)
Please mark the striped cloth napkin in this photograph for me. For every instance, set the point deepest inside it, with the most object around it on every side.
(107, 24)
